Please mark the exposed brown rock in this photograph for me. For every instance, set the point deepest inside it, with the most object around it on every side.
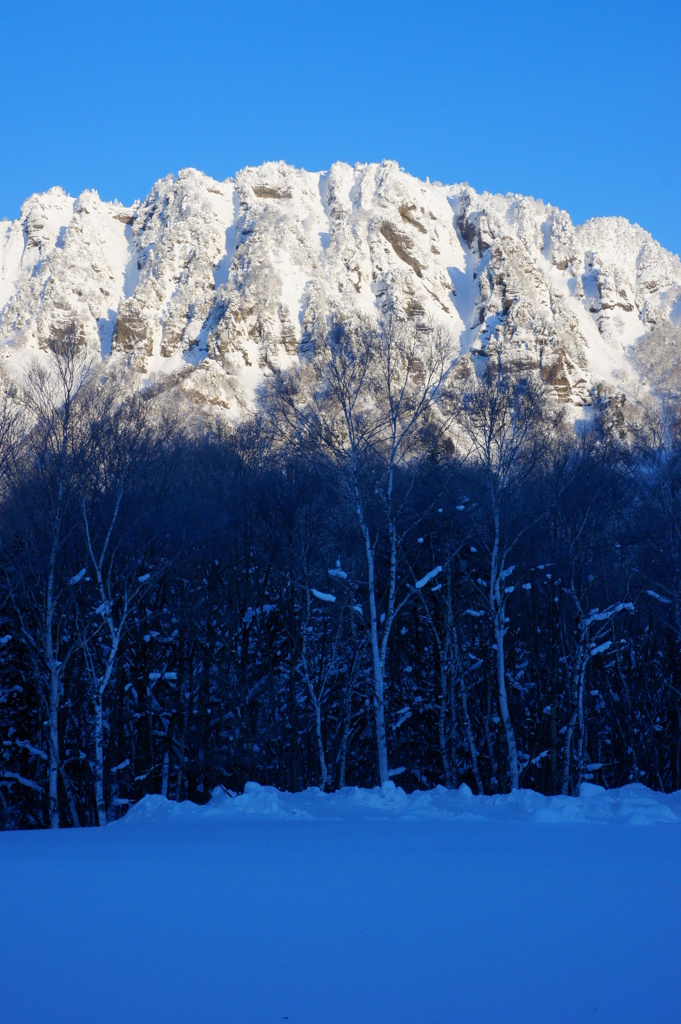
(401, 245)
(269, 192)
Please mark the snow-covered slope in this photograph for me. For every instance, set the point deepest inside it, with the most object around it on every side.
(220, 282)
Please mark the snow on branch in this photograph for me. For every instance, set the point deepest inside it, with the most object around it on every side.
(608, 613)
(429, 576)
(35, 751)
(14, 777)
(321, 596)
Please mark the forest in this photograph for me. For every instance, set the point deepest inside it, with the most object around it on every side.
(396, 568)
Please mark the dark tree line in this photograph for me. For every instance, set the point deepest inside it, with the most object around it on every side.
(391, 572)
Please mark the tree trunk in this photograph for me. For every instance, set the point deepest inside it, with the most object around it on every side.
(98, 768)
(53, 745)
(347, 722)
(468, 728)
(514, 774)
(442, 727)
(567, 750)
(488, 740)
(323, 770)
(70, 798)
(497, 608)
(379, 704)
(470, 739)
(577, 704)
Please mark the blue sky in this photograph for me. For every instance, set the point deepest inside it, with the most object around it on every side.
(576, 103)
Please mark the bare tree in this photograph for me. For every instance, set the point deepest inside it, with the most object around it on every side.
(505, 426)
(374, 415)
(453, 684)
(55, 394)
(11, 429)
(118, 441)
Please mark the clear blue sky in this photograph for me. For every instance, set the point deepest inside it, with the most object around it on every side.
(577, 103)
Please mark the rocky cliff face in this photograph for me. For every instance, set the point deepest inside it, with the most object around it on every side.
(212, 285)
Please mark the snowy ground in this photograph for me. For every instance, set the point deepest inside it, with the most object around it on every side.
(357, 907)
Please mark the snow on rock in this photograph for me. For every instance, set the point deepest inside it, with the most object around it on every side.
(214, 285)
(70, 271)
(632, 804)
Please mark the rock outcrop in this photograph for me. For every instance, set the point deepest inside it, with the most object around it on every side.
(214, 284)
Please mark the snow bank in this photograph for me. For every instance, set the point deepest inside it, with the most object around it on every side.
(633, 804)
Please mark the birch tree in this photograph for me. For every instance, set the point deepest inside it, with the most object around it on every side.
(453, 684)
(589, 639)
(118, 443)
(505, 433)
(374, 416)
(55, 394)
(588, 494)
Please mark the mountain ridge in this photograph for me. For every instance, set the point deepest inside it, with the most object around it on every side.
(214, 285)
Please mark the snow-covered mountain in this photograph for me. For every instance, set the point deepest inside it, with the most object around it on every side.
(217, 283)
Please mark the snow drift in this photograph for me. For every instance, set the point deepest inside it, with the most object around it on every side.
(633, 804)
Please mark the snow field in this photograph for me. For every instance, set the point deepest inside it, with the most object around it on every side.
(362, 906)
